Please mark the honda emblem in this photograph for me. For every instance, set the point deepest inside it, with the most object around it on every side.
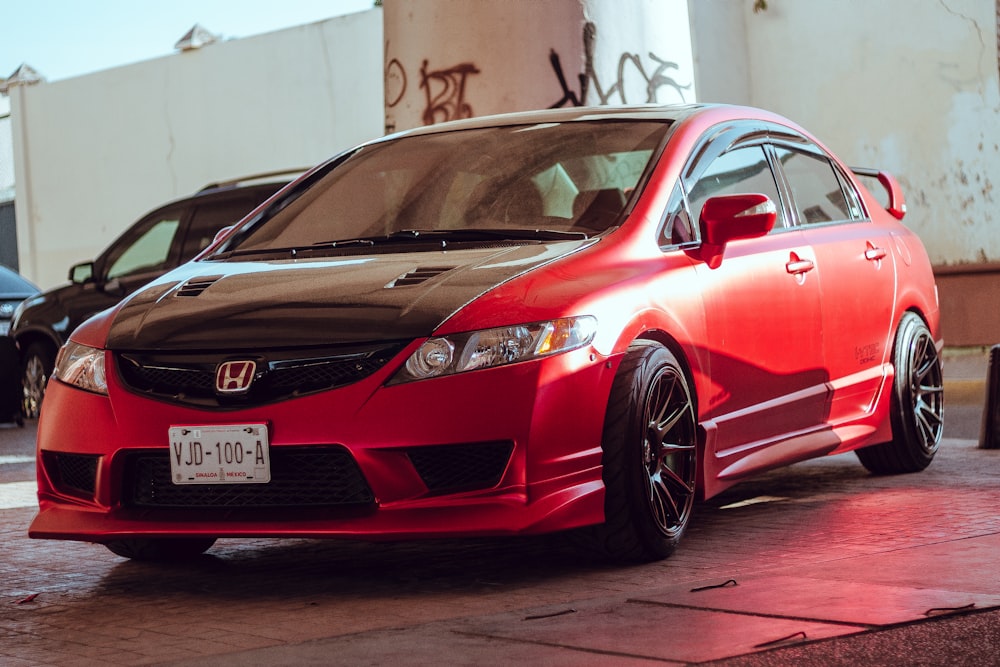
(235, 377)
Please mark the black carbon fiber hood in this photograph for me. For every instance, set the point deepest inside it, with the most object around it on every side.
(214, 305)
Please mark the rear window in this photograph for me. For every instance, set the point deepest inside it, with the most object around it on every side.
(209, 218)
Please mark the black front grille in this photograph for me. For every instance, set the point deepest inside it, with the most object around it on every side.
(316, 476)
(451, 468)
(189, 379)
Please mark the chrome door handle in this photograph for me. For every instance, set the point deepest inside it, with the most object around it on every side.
(874, 254)
(798, 266)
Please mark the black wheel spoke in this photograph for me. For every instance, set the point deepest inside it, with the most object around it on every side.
(660, 500)
(673, 481)
(669, 450)
(929, 423)
(927, 391)
(650, 456)
(660, 428)
(924, 359)
(666, 407)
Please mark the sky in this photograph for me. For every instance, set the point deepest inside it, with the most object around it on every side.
(60, 39)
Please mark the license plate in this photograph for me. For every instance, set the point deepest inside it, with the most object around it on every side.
(230, 454)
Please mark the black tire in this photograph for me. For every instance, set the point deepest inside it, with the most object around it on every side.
(36, 369)
(917, 409)
(161, 549)
(650, 458)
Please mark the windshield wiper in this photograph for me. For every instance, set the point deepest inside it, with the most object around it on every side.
(440, 237)
(292, 251)
(226, 254)
(495, 233)
(457, 235)
(345, 243)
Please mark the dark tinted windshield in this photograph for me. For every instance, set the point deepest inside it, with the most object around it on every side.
(566, 177)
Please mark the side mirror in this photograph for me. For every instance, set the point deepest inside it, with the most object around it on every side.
(732, 217)
(81, 273)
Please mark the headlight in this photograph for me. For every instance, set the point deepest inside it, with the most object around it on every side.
(81, 367)
(458, 353)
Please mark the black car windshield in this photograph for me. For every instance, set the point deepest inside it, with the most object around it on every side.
(527, 181)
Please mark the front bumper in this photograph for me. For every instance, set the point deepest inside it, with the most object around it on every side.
(548, 413)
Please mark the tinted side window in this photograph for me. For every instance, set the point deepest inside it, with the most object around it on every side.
(148, 249)
(815, 187)
(209, 218)
(740, 171)
(853, 197)
(677, 227)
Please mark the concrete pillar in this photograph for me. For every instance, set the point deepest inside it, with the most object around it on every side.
(450, 59)
(16, 87)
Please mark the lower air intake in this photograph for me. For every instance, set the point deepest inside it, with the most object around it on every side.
(320, 476)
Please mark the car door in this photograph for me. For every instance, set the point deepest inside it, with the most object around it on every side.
(855, 272)
(763, 324)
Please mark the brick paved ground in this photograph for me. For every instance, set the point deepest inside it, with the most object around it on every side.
(92, 607)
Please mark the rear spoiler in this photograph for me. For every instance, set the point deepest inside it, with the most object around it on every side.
(896, 203)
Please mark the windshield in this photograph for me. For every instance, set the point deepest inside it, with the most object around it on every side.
(476, 184)
(13, 284)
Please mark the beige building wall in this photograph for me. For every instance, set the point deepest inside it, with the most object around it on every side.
(93, 153)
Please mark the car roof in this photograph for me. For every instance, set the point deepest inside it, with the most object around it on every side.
(673, 112)
(279, 177)
(270, 181)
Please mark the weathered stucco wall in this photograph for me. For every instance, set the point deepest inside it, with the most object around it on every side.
(447, 59)
(93, 153)
(907, 86)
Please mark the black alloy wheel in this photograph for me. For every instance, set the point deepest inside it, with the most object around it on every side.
(650, 457)
(36, 368)
(917, 410)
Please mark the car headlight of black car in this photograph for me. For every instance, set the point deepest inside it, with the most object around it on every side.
(82, 367)
(488, 348)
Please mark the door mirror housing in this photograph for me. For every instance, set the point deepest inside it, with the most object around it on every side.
(732, 217)
(81, 273)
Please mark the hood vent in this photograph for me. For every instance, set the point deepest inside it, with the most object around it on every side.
(196, 286)
(418, 276)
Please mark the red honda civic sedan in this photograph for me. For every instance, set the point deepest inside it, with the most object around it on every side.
(568, 320)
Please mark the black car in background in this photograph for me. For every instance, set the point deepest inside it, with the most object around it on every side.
(159, 241)
(13, 290)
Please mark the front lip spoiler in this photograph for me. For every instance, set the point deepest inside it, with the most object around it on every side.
(499, 513)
